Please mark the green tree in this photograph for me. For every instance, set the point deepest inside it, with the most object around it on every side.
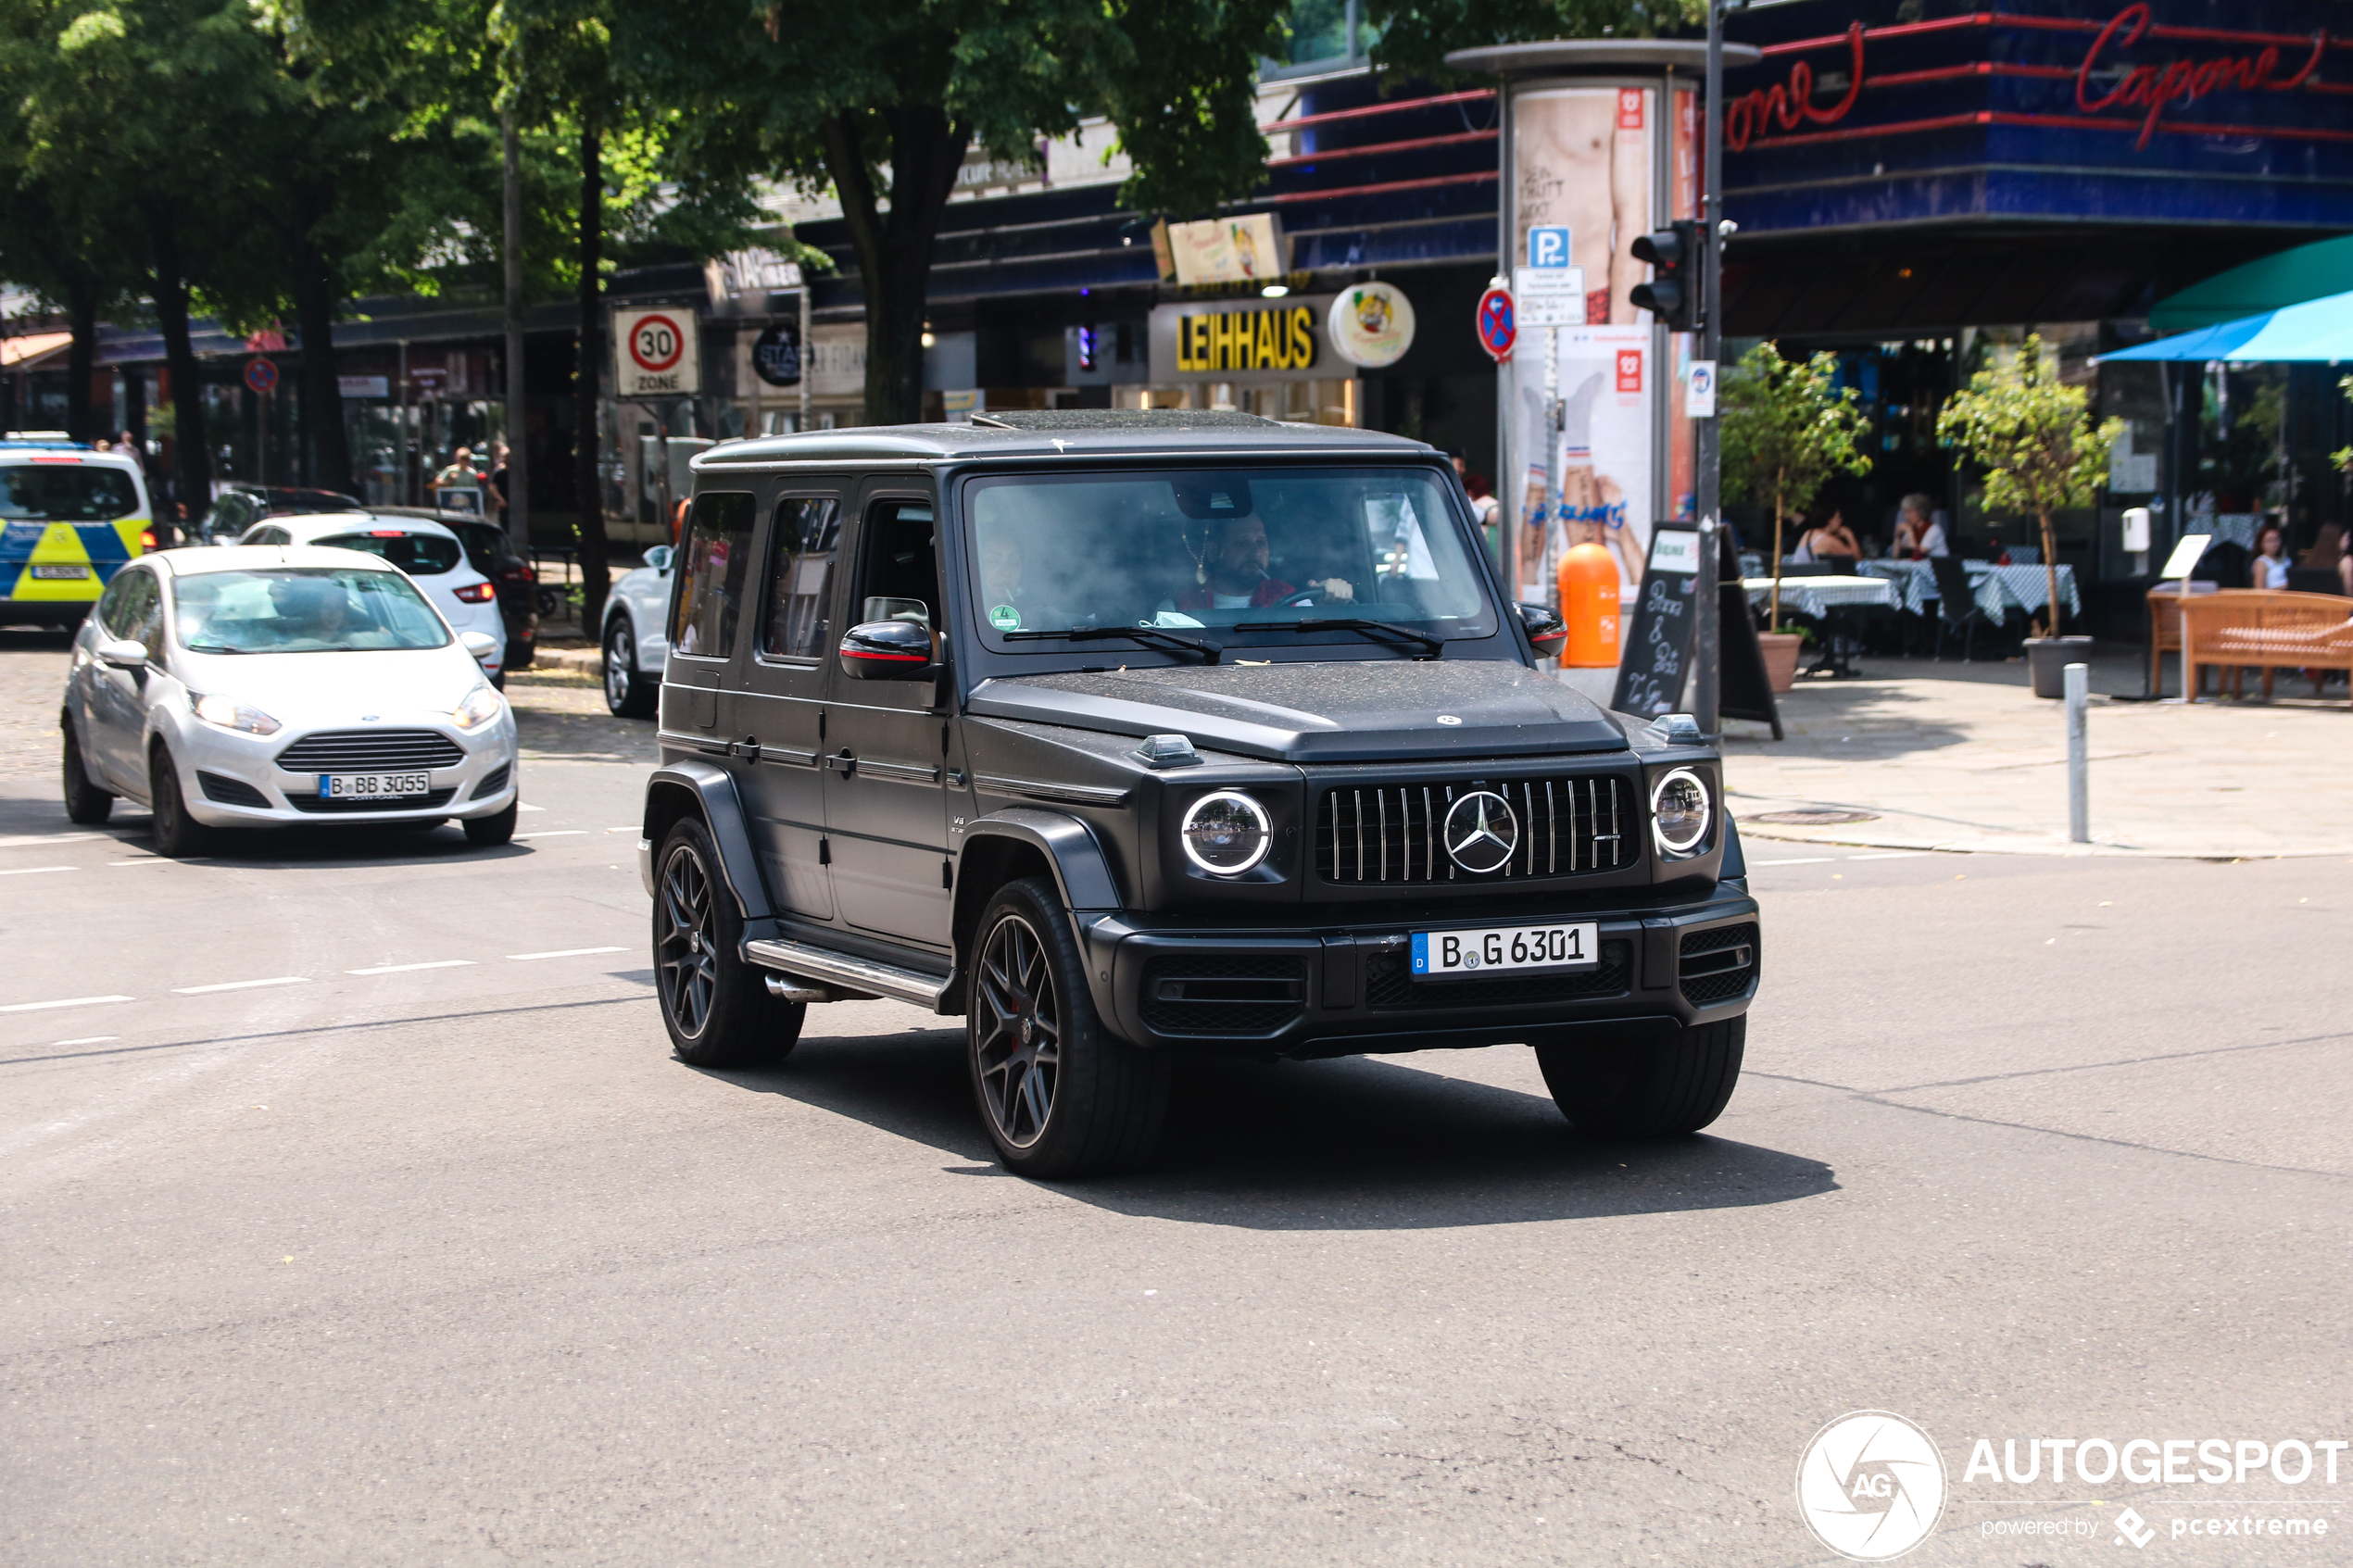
(1786, 428)
(2038, 446)
(881, 104)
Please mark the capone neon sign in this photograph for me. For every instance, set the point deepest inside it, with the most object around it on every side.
(2151, 88)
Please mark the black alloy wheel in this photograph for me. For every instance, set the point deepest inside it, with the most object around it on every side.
(628, 694)
(1061, 1096)
(85, 802)
(717, 1008)
(1018, 1033)
(177, 833)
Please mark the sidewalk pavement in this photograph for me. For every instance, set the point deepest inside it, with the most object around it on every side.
(1950, 756)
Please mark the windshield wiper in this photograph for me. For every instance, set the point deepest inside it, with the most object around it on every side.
(1149, 635)
(1435, 645)
(210, 647)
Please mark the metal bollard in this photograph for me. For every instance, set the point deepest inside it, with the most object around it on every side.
(2079, 807)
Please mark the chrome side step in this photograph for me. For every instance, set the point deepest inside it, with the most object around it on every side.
(845, 973)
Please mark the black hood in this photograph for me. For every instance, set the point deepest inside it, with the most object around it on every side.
(1342, 711)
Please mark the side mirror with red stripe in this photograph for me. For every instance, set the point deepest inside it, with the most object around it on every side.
(887, 650)
(1546, 630)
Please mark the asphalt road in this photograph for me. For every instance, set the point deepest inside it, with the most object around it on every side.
(374, 1223)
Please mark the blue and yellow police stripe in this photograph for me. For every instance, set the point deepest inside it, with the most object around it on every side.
(99, 549)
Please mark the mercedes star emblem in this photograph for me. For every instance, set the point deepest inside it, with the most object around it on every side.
(1481, 832)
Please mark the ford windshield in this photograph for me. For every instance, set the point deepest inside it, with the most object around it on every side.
(1201, 561)
(303, 610)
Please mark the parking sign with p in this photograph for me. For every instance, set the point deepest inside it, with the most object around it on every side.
(1548, 245)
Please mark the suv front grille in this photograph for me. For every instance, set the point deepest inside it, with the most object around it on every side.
(1395, 832)
(1717, 965)
(1223, 994)
(345, 751)
(1390, 985)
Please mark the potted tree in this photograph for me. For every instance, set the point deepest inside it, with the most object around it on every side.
(2034, 438)
(1786, 428)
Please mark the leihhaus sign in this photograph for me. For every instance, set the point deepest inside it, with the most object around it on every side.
(1268, 340)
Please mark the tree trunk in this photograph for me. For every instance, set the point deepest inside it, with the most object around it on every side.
(192, 465)
(321, 391)
(82, 360)
(894, 249)
(1775, 620)
(596, 569)
(2050, 569)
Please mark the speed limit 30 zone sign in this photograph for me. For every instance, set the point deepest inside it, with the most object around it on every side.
(654, 354)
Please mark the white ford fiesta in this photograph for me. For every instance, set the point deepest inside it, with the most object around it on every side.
(264, 686)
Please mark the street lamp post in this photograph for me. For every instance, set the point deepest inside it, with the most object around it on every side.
(1707, 628)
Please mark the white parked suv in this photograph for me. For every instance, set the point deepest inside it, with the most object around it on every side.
(637, 637)
(429, 553)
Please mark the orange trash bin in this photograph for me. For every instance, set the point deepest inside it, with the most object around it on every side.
(1589, 603)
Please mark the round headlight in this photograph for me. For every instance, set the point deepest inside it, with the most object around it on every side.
(1680, 812)
(1226, 834)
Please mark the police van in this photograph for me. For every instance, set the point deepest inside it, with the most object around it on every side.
(70, 516)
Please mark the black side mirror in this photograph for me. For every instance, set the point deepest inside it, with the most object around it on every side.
(1545, 627)
(887, 650)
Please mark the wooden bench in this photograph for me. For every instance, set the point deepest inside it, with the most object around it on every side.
(2267, 629)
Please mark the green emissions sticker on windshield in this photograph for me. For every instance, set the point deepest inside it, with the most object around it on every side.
(1005, 618)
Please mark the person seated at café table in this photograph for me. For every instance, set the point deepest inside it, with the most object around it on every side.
(1919, 535)
(2267, 568)
(1826, 539)
(1230, 559)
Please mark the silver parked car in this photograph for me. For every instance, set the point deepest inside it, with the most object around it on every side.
(637, 636)
(263, 686)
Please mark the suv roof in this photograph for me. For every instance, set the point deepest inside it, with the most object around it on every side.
(1065, 433)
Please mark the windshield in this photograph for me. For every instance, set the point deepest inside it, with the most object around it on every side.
(426, 554)
(303, 610)
(1249, 554)
(66, 492)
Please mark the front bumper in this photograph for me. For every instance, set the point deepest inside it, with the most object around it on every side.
(231, 779)
(1334, 993)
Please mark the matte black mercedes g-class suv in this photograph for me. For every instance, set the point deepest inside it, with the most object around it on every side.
(1131, 735)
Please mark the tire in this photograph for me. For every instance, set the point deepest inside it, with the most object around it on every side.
(717, 1008)
(177, 833)
(85, 802)
(628, 694)
(499, 682)
(494, 830)
(1646, 1086)
(1061, 1096)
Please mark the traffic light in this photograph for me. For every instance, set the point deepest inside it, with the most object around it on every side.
(1672, 294)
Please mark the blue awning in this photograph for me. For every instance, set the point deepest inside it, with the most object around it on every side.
(2318, 330)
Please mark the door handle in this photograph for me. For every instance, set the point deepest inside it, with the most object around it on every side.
(842, 761)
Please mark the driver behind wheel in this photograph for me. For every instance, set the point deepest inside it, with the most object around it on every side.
(1230, 560)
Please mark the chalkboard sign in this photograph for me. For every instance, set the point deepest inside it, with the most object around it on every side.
(1746, 692)
(1658, 647)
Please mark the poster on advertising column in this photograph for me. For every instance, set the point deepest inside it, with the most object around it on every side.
(1584, 160)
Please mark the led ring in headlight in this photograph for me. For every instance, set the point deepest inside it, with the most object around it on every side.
(1226, 834)
(1680, 812)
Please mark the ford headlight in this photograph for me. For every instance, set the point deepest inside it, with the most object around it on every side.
(1680, 812)
(230, 714)
(1226, 834)
(482, 706)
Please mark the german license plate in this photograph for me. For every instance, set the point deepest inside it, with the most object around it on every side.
(59, 573)
(373, 786)
(1505, 950)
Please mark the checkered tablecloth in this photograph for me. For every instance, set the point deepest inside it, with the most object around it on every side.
(1999, 589)
(1812, 596)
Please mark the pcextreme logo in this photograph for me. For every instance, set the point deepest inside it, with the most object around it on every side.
(1871, 1485)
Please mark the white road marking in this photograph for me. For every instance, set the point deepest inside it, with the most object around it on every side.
(61, 1002)
(634, 827)
(405, 968)
(524, 807)
(36, 871)
(24, 840)
(87, 1040)
(1801, 860)
(566, 953)
(557, 833)
(241, 984)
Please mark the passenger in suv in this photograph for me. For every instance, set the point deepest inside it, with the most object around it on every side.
(969, 715)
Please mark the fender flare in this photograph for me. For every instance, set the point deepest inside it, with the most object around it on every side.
(1081, 871)
(1736, 863)
(712, 792)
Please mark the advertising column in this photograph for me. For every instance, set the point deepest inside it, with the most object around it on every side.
(1599, 161)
